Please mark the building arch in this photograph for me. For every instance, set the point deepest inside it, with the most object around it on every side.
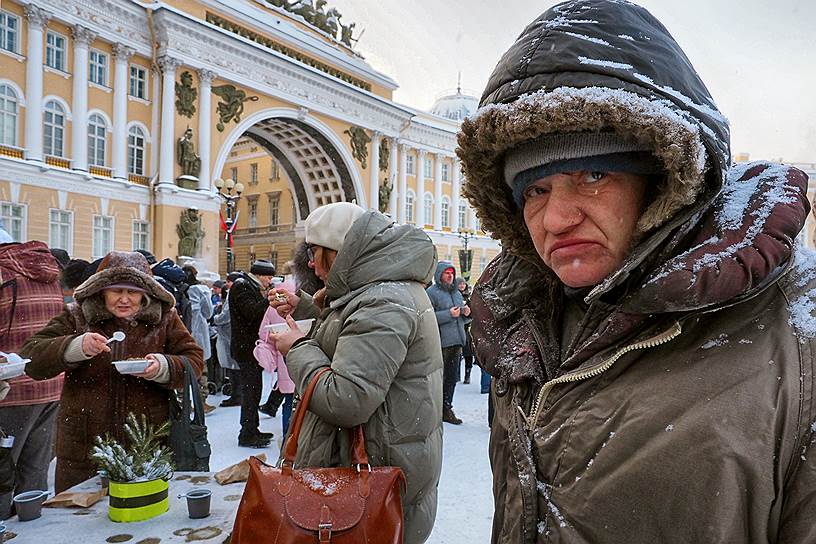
(17, 90)
(61, 101)
(104, 116)
(270, 127)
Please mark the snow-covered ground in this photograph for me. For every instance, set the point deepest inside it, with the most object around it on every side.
(465, 498)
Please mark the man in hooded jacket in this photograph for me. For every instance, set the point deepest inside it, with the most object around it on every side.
(668, 396)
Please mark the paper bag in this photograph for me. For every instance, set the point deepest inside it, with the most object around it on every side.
(236, 473)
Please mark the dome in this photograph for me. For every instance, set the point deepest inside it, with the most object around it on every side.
(455, 106)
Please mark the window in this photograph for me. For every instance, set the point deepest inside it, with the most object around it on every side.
(252, 205)
(97, 135)
(55, 51)
(102, 235)
(8, 115)
(136, 151)
(253, 173)
(427, 168)
(12, 220)
(273, 258)
(141, 235)
(138, 82)
(54, 129)
(9, 30)
(409, 165)
(274, 211)
(275, 176)
(409, 208)
(445, 212)
(445, 172)
(428, 207)
(477, 225)
(59, 229)
(234, 174)
(462, 215)
(98, 72)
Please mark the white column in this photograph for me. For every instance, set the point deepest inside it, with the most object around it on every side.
(392, 177)
(438, 192)
(121, 55)
(168, 115)
(420, 182)
(374, 181)
(455, 196)
(79, 127)
(403, 181)
(155, 105)
(37, 19)
(205, 79)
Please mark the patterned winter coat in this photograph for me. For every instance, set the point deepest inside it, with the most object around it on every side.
(30, 295)
(96, 398)
(379, 336)
(679, 405)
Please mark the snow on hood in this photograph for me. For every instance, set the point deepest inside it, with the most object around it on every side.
(595, 65)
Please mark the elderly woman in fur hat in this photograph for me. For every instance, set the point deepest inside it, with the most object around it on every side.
(121, 296)
(649, 324)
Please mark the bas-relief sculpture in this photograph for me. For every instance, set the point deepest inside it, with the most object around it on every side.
(315, 14)
(186, 95)
(188, 159)
(231, 106)
(358, 140)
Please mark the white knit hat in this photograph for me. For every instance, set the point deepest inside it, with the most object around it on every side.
(328, 225)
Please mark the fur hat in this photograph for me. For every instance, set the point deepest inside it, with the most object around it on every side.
(328, 225)
(262, 268)
(118, 267)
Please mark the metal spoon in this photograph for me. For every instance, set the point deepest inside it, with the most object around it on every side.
(118, 336)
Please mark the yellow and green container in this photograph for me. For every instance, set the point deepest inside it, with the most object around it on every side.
(138, 501)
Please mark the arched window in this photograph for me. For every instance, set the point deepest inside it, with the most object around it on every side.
(136, 151)
(445, 212)
(8, 115)
(427, 205)
(54, 129)
(97, 136)
(462, 215)
(409, 207)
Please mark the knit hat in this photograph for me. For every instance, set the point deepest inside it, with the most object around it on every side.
(126, 285)
(575, 151)
(61, 256)
(262, 268)
(328, 225)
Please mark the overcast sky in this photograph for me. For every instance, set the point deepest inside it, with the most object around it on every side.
(757, 57)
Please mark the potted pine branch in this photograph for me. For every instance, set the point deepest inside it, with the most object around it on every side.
(138, 474)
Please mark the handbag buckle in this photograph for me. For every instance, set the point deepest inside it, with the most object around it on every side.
(367, 465)
(324, 532)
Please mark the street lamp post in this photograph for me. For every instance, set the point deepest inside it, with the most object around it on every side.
(231, 202)
(465, 255)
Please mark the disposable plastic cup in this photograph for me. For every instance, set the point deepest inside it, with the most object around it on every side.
(198, 503)
(29, 504)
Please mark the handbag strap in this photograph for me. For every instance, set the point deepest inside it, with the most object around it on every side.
(191, 397)
(359, 456)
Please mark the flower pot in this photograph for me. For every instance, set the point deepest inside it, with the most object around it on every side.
(137, 501)
(198, 503)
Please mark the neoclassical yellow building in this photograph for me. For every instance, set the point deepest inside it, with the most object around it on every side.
(117, 117)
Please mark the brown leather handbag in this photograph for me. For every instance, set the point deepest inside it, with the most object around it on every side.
(341, 505)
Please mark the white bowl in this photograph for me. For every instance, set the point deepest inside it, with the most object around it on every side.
(12, 370)
(303, 324)
(132, 366)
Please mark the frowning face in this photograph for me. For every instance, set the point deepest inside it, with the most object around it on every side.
(583, 223)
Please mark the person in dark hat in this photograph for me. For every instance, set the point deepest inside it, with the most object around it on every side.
(121, 296)
(649, 323)
(247, 305)
(61, 256)
(72, 276)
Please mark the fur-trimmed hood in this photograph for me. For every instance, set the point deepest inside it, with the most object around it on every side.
(123, 267)
(595, 65)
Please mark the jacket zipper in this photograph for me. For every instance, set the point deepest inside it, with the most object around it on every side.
(665, 336)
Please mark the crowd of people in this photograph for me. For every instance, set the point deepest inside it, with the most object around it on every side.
(648, 325)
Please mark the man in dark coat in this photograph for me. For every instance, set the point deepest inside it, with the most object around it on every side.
(650, 323)
(451, 313)
(247, 305)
